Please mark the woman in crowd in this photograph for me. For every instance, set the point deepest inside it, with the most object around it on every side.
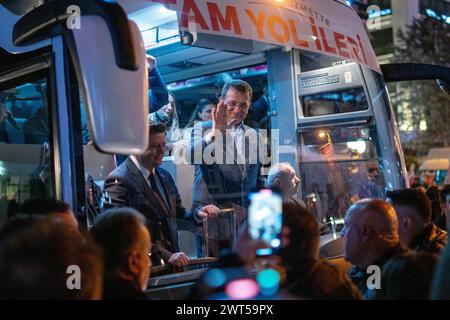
(169, 116)
(201, 113)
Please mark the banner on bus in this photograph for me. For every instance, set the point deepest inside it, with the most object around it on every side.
(327, 26)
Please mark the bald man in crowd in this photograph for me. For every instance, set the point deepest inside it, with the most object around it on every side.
(370, 238)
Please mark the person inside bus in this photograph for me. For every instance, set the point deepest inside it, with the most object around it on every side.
(40, 257)
(125, 241)
(140, 183)
(224, 178)
(158, 95)
(283, 177)
(427, 179)
(202, 113)
(370, 238)
(168, 115)
(371, 188)
(416, 230)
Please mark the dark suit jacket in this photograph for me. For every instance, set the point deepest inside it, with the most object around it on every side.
(225, 185)
(121, 289)
(128, 188)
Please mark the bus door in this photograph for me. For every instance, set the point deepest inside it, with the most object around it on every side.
(348, 147)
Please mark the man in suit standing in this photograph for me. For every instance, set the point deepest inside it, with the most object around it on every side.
(140, 183)
(225, 154)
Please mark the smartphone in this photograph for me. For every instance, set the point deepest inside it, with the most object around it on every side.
(265, 219)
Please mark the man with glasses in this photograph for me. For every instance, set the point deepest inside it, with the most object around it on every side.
(225, 154)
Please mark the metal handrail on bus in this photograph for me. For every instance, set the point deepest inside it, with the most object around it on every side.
(229, 211)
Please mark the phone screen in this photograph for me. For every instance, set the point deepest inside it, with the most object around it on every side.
(265, 219)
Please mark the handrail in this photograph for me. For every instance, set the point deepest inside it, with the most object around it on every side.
(192, 262)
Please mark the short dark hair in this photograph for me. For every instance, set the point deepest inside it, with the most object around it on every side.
(43, 206)
(304, 234)
(157, 127)
(34, 260)
(18, 222)
(116, 231)
(239, 85)
(407, 277)
(414, 198)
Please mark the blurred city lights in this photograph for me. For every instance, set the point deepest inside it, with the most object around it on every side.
(264, 251)
(359, 146)
(268, 281)
(275, 243)
(215, 278)
(242, 289)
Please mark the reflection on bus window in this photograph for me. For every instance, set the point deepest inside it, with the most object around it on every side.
(343, 101)
(310, 61)
(339, 166)
(25, 149)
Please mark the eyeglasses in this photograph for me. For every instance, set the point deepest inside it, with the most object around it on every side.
(234, 104)
(158, 145)
(372, 170)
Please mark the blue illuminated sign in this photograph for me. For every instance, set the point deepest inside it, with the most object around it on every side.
(432, 14)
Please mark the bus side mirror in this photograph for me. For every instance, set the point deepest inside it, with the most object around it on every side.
(116, 99)
(444, 85)
(395, 72)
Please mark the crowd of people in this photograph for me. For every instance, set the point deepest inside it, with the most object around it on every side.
(43, 247)
(43, 244)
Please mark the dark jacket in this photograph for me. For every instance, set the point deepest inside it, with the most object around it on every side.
(321, 280)
(221, 183)
(360, 276)
(127, 187)
(157, 95)
(431, 239)
(121, 289)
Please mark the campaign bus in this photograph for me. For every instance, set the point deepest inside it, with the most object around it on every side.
(79, 68)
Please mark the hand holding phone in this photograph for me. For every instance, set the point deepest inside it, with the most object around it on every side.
(265, 220)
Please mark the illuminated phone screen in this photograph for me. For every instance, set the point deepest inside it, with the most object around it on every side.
(265, 219)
